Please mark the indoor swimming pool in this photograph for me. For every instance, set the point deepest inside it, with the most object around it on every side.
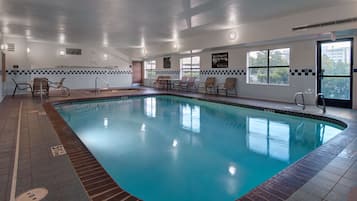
(163, 147)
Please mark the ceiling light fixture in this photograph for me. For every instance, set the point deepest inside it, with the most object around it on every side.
(105, 56)
(232, 35)
(62, 52)
(28, 33)
(28, 50)
(176, 46)
(4, 46)
(62, 38)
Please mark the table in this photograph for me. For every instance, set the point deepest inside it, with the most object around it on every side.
(168, 82)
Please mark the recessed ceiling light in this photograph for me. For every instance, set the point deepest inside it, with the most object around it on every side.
(28, 50)
(232, 35)
(176, 46)
(3, 46)
(62, 52)
(105, 56)
(62, 38)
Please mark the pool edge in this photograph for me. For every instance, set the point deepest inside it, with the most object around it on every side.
(98, 184)
(279, 187)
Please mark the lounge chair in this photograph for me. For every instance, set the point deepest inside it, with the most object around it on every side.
(58, 86)
(21, 86)
(210, 85)
(40, 86)
(229, 85)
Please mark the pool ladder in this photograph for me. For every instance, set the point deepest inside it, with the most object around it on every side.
(317, 98)
(97, 90)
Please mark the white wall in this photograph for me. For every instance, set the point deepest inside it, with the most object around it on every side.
(80, 71)
(46, 55)
(302, 56)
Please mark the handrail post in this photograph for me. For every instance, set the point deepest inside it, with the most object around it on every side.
(302, 98)
(323, 108)
(96, 85)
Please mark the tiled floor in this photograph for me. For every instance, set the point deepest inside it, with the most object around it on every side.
(336, 168)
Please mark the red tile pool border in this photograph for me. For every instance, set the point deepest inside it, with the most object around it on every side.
(100, 186)
(95, 180)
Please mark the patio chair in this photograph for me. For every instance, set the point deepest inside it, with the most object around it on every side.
(21, 86)
(210, 85)
(58, 86)
(229, 85)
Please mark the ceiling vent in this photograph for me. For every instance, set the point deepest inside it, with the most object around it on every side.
(324, 24)
(11, 47)
(73, 51)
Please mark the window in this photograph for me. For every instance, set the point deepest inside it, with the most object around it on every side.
(268, 66)
(190, 67)
(149, 69)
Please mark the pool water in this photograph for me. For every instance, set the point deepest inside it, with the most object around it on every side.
(162, 148)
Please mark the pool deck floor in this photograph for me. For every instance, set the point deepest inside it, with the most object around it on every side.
(328, 174)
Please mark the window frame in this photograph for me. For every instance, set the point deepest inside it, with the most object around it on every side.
(149, 66)
(268, 67)
(191, 64)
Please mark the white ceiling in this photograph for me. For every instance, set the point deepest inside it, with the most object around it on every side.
(133, 23)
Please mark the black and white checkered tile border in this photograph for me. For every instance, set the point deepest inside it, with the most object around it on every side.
(223, 72)
(293, 72)
(67, 72)
(302, 72)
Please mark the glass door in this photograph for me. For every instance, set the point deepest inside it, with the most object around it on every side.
(335, 72)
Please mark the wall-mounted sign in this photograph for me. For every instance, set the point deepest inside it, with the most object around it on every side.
(167, 62)
(220, 60)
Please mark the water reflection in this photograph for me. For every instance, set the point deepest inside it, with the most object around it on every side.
(283, 139)
(190, 117)
(150, 107)
(268, 137)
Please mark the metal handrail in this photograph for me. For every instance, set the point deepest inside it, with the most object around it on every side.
(97, 90)
(302, 98)
(323, 108)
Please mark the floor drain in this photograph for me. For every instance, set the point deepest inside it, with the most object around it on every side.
(33, 195)
(58, 150)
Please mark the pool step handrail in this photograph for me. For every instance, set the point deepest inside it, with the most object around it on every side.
(300, 94)
(322, 97)
(97, 90)
(317, 98)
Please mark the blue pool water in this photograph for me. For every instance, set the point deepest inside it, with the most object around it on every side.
(162, 148)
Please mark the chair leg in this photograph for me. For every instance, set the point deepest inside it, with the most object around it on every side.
(13, 94)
